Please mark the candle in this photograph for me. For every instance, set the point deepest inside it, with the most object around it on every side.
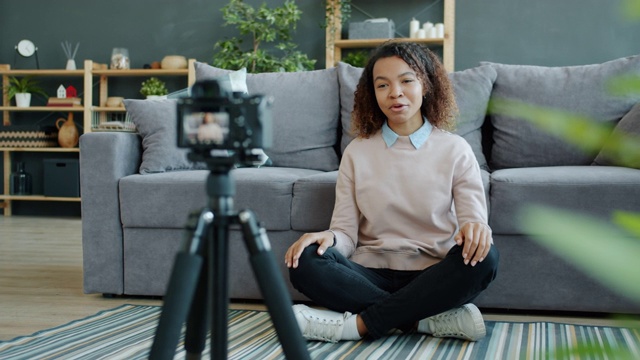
(421, 34)
(439, 30)
(414, 25)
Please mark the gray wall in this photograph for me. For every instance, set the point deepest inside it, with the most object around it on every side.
(541, 32)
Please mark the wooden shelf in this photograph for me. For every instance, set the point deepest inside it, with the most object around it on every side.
(88, 109)
(141, 72)
(41, 149)
(42, 108)
(369, 43)
(334, 43)
(38, 198)
(45, 72)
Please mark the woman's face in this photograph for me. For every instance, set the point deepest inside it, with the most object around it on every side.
(399, 94)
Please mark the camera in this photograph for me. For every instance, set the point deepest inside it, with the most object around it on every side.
(216, 122)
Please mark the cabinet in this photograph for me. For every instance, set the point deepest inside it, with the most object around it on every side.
(335, 44)
(92, 114)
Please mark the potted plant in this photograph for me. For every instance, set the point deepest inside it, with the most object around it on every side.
(22, 88)
(271, 27)
(154, 88)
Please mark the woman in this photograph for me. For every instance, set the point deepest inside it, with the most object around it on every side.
(409, 245)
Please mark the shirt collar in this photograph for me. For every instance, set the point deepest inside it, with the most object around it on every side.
(418, 138)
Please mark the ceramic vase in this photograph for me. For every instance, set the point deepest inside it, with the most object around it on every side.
(67, 132)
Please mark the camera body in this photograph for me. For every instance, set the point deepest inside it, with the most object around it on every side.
(214, 119)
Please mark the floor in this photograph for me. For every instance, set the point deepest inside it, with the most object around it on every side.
(41, 279)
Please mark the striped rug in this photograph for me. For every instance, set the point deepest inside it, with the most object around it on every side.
(127, 332)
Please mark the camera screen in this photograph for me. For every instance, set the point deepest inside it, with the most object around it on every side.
(205, 128)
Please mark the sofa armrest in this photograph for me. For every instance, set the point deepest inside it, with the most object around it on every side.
(105, 157)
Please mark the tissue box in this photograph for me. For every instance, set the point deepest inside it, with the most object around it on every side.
(372, 30)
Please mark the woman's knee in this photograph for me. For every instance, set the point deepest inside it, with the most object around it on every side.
(306, 266)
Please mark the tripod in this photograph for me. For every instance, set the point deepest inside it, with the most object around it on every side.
(199, 278)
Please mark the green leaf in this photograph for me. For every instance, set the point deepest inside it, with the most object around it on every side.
(628, 221)
(625, 85)
(597, 248)
(631, 9)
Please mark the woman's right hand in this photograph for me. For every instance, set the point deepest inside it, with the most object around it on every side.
(322, 238)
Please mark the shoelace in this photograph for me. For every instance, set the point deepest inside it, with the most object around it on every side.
(446, 325)
(323, 329)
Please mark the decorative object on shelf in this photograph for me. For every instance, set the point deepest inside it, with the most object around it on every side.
(173, 62)
(26, 49)
(61, 93)
(67, 132)
(21, 181)
(414, 27)
(381, 28)
(70, 54)
(153, 87)
(259, 25)
(120, 59)
(22, 88)
(28, 136)
(115, 101)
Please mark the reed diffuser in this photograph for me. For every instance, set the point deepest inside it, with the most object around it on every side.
(71, 54)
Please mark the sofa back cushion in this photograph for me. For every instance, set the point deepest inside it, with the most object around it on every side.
(305, 114)
(472, 89)
(576, 89)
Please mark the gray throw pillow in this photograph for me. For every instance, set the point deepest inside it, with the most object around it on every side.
(305, 114)
(348, 78)
(472, 90)
(629, 124)
(156, 121)
(577, 89)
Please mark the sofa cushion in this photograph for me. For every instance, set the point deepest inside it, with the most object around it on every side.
(305, 114)
(629, 125)
(593, 190)
(472, 89)
(313, 200)
(267, 191)
(576, 89)
(156, 121)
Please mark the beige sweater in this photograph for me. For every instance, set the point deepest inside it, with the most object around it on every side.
(395, 205)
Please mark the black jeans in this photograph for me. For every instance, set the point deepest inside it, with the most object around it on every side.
(391, 299)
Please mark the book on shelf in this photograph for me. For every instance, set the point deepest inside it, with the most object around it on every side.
(70, 101)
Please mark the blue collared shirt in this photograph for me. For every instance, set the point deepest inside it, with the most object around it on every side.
(418, 138)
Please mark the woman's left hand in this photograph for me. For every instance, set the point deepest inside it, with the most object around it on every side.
(476, 240)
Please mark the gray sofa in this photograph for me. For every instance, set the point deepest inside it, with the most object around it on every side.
(138, 189)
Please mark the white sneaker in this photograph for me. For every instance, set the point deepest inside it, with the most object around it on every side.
(324, 325)
(464, 322)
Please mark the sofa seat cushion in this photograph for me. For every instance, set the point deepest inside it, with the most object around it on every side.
(580, 90)
(313, 200)
(591, 190)
(164, 200)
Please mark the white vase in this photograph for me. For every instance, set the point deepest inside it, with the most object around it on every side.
(71, 64)
(23, 100)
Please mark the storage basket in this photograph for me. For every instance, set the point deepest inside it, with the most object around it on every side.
(112, 121)
(28, 136)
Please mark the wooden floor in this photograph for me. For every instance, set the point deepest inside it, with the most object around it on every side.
(41, 279)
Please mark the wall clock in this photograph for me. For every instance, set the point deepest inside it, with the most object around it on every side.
(26, 49)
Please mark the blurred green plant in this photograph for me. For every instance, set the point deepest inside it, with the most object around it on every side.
(607, 251)
(261, 26)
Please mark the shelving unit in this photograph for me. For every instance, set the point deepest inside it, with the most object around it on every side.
(87, 76)
(335, 44)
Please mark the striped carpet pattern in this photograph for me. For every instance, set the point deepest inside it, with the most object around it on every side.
(126, 332)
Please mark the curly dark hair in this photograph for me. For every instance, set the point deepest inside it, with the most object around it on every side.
(439, 105)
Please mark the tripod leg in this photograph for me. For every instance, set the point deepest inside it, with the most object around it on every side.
(273, 287)
(187, 269)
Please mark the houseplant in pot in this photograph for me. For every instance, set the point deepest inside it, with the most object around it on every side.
(268, 33)
(154, 88)
(22, 88)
